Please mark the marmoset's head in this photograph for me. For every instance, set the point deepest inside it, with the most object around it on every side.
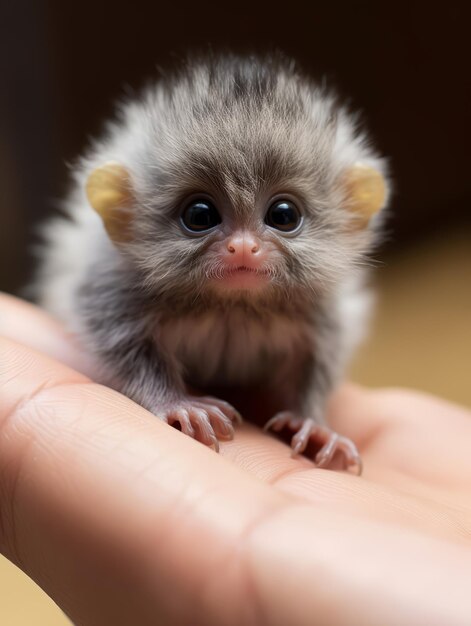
(237, 178)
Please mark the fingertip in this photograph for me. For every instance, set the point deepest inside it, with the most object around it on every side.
(352, 411)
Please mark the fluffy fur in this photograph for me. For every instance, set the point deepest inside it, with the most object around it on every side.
(240, 130)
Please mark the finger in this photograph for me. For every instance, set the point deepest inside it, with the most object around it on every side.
(352, 411)
(97, 498)
(328, 568)
(411, 441)
(31, 326)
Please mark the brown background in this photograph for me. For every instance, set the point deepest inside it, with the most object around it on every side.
(406, 67)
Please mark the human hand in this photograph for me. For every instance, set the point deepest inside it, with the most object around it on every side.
(124, 520)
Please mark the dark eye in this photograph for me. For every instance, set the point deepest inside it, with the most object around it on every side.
(200, 215)
(283, 215)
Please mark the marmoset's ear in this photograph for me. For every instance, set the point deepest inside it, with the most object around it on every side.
(365, 192)
(109, 191)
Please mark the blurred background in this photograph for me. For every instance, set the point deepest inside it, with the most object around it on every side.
(405, 67)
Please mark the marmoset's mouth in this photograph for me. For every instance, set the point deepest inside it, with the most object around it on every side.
(241, 277)
(245, 269)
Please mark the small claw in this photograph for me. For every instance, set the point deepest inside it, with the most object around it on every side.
(271, 422)
(351, 458)
(358, 463)
(351, 455)
(226, 408)
(205, 430)
(183, 418)
(326, 453)
(228, 435)
(229, 410)
(187, 429)
(301, 438)
(278, 421)
(237, 417)
(220, 422)
(305, 429)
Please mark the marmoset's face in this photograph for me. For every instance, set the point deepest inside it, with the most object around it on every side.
(268, 232)
(257, 235)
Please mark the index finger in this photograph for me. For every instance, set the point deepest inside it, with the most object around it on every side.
(95, 494)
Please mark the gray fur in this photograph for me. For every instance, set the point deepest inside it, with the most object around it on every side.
(239, 130)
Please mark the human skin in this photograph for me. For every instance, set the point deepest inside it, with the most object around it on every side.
(124, 520)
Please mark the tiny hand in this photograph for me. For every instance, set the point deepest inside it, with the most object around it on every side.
(124, 520)
(207, 419)
(332, 445)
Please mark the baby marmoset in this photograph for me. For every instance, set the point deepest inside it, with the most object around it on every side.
(234, 204)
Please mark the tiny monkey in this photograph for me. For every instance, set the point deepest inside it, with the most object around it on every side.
(216, 237)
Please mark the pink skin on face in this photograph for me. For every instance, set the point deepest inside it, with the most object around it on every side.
(243, 258)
